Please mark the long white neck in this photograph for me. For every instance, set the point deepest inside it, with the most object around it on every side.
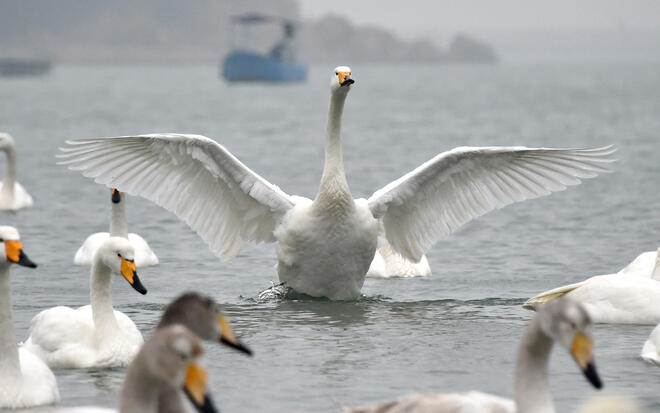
(102, 311)
(118, 225)
(531, 382)
(140, 392)
(333, 183)
(10, 369)
(9, 178)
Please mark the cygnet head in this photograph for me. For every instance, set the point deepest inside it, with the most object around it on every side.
(13, 249)
(341, 80)
(115, 195)
(568, 323)
(201, 314)
(172, 355)
(117, 254)
(6, 141)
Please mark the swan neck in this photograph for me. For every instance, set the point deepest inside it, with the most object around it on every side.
(140, 392)
(333, 182)
(118, 225)
(9, 178)
(10, 368)
(531, 380)
(102, 311)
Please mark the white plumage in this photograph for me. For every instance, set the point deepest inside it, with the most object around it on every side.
(144, 256)
(630, 296)
(325, 246)
(25, 380)
(651, 349)
(12, 194)
(94, 335)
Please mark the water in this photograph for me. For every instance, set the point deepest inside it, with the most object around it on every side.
(455, 330)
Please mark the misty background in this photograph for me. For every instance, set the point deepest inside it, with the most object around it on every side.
(171, 31)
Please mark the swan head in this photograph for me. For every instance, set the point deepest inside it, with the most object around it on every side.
(568, 323)
(201, 314)
(115, 195)
(118, 255)
(172, 355)
(6, 141)
(13, 249)
(341, 80)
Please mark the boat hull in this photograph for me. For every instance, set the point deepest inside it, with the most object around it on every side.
(244, 66)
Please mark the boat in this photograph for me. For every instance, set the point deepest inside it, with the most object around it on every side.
(279, 64)
(10, 66)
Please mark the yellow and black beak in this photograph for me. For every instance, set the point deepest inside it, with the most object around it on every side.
(115, 195)
(582, 351)
(195, 388)
(129, 272)
(228, 338)
(15, 254)
(345, 78)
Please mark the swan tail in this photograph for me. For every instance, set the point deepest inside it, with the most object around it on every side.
(546, 296)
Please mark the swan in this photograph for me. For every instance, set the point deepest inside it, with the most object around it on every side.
(325, 246)
(144, 256)
(563, 321)
(201, 315)
(12, 194)
(630, 296)
(388, 263)
(169, 359)
(651, 349)
(94, 335)
(25, 380)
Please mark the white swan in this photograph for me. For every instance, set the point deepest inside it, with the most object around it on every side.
(12, 194)
(325, 246)
(144, 256)
(563, 321)
(94, 335)
(25, 380)
(201, 315)
(651, 349)
(388, 263)
(169, 359)
(630, 296)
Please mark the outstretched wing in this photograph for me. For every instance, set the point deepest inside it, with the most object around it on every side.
(190, 175)
(459, 185)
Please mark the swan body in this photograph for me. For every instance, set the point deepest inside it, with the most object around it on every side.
(387, 263)
(630, 296)
(94, 335)
(651, 349)
(144, 256)
(25, 380)
(325, 246)
(562, 321)
(12, 194)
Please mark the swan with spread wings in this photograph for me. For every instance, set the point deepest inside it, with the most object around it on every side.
(325, 245)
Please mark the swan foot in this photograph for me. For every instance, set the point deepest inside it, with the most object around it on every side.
(274, 292)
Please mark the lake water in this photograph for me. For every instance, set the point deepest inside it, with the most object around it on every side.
(455, 330)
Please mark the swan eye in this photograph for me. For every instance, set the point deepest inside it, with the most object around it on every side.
(2, 240)
(119, 255)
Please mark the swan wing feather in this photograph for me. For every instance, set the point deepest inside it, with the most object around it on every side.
(199, 180)
(464, 183)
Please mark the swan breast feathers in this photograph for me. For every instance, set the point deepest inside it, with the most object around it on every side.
(224, 201)
(464, 183)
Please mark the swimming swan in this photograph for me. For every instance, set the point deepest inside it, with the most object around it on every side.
(325, 246)
(563, 321)
(25, 380)
(144, 256)
(94, 335)
(630, 296)
(12, 194)
(201, 315)
(169, 359)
